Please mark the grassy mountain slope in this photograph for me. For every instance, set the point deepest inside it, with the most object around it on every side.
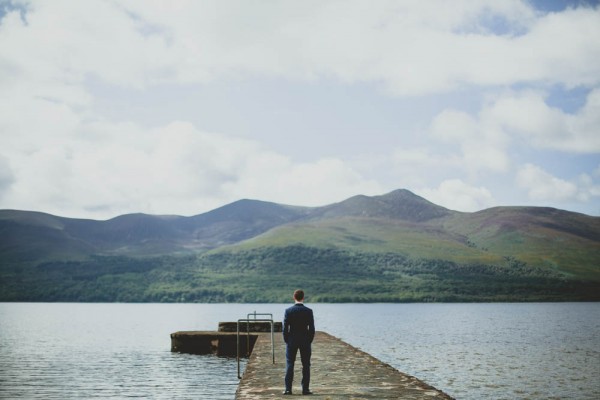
(394, 247)
(557, 240)
(542, 237)
(370, 235)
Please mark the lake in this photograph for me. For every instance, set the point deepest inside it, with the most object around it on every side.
(471, 351)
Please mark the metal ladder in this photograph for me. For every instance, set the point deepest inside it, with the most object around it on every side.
(248, 320)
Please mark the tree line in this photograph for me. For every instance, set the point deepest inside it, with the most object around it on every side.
(269, 274)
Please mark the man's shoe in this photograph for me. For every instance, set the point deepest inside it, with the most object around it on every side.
(306, 393)
(287, 392)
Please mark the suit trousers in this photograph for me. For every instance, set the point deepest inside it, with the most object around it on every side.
(293, 345)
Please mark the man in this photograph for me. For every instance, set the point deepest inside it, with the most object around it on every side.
(298, 334)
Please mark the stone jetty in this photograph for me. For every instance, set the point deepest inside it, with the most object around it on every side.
(339, 371)
(224, 341)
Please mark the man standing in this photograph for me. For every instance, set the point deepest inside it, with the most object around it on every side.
(298, 334)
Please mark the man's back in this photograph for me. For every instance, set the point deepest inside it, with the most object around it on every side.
(298, 322)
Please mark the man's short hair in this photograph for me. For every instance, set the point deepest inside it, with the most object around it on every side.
(299, 295)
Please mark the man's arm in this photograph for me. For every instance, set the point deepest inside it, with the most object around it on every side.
(311, 326)
(286, 326)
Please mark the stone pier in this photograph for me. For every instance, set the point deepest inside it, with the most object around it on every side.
(222, 342)
(339, 371)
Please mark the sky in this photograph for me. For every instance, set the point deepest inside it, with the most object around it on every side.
(179, 107)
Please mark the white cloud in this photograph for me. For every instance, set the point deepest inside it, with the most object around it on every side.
(317, 183)
(482, 145)
(453, 126)
(527, 114)
(109, 169)
(458, 195)
(66, 159)
(413, 47)
(67, 42)
(62, 156)
(588, 188)
(6, 175)
(517, 118)
(416, 167)
(542, 186)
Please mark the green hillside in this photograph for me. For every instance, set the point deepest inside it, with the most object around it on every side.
(397, 247)
(571, 247)
(371, 235)
(271, 274)
(542, 237)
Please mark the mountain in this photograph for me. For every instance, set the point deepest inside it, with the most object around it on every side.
(38, 236)
(238, 221)
(33, 235)
(398, 205)
(393, 247)
(403, 223)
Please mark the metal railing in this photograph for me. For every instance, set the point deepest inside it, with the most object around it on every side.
(249, 320)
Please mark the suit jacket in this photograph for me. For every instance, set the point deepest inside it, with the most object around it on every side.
(298, 323)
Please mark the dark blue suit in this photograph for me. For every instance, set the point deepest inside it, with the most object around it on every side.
(298, 333)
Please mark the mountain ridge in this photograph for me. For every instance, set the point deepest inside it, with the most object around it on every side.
(392, 247)
(246, 219)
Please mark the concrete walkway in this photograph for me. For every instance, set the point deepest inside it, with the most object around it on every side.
(339, 371)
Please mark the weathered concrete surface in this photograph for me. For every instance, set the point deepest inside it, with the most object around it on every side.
(338, 371)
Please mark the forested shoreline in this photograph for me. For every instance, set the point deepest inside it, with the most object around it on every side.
(268, 274)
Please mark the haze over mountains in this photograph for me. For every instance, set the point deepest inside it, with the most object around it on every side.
(400, 225)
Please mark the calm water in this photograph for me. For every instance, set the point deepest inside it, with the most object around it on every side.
(471, 351)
